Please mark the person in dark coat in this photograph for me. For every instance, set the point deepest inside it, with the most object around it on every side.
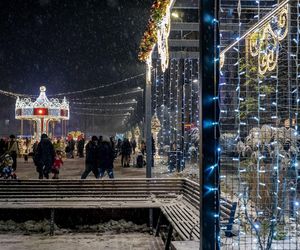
(71, 145)
(113, 145)
(80, 147)
(44, 157)
(119, 146)
(106, 159)
(91, 158)
(143, 147)
(133, 145)
(126, 153)
(3, 146)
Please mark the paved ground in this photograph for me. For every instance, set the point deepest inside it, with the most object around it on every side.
(73, 168)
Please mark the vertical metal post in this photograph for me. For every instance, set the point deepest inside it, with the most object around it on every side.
(22, 129)
(148, 117)
(52, 228)
(209, 115)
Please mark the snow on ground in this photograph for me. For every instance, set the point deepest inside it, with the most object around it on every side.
(132, 241)
(32, 235)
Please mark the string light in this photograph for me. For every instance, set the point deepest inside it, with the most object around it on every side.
(106, 103)
(101, 115)
(260, 72)
(14, 95)
(162, 113)
(136, 90)
(106, 109)
(101, 86)
(178, 127)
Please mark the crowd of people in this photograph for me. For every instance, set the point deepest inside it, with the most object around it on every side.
(47, 154)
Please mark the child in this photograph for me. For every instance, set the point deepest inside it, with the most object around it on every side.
(56, 166)
(7, 170)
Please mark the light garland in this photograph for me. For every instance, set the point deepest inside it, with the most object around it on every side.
(162, 38)
(106, 103)
(158, 31)
(190, 101)
(102, 115)
(136, 90)
(155, 129)
(178, 127)
(103, 85)
(268, 74)
(14, 95)
(264, 42)
(106, 109)
(171, 106)
(162, 113)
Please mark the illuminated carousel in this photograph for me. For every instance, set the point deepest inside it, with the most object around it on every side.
(42, 112)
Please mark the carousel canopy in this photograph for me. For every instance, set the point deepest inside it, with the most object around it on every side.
(42, 107)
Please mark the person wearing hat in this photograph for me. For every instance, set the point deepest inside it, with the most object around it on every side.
(44, 157)
(13, 150)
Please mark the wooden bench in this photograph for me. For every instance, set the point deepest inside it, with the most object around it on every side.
(117, 193)
(177, 199)
(182, 214)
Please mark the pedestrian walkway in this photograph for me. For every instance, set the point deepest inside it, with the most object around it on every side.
(73, 168)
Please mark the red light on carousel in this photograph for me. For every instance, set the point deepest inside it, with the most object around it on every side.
(40, 111)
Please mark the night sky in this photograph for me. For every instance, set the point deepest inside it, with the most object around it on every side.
(69, 45)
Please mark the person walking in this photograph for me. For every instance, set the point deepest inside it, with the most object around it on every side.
(58, 162)
(91, 158)
(13, 150)
(44, 157)
(113, 145)
(26, 147)
(143, 147)
(126, 153)
(119, 146)
(71, 145)
(106, 159)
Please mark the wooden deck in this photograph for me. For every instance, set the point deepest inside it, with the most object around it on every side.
(177, 198)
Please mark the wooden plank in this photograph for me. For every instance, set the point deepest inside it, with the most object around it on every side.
(177, 225)
(76, 205)
(29, 188)
(183, 245)
(182, 220)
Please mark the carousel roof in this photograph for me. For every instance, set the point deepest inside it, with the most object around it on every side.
(56, 108)
(42, 101)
